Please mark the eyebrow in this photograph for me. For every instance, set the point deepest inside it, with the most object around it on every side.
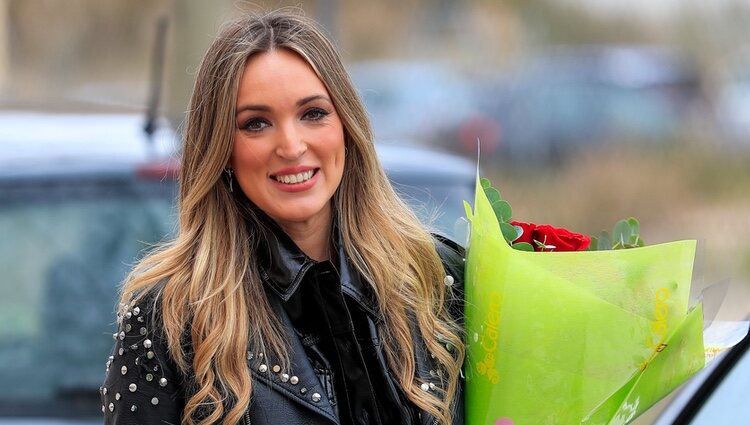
(266, 108)
(309, 99)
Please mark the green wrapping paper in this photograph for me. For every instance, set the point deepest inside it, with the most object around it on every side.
(591, 337)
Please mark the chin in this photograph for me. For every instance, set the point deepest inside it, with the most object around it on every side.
(297, 214)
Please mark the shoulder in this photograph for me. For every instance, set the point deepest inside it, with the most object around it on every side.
(142, 384)
(143, 311)
(452, 255)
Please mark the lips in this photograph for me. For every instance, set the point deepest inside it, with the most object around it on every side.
(292, 177)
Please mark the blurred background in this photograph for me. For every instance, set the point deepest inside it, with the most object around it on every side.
(588, 111)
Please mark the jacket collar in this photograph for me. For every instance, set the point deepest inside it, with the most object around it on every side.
(283, 266)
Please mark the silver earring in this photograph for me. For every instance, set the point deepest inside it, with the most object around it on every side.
(230, 177)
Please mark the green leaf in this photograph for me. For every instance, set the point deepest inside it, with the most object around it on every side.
(604, 242)
(626, 234)
(523, 246)
(503, 211)
(621, 233)
(519, 232)
(485, 182)
(635, 227)
(492, 194)
(509, 232)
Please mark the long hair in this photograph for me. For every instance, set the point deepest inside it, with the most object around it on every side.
(212, 300)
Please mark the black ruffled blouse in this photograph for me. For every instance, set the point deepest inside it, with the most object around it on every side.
(335, 333)
(334, 328)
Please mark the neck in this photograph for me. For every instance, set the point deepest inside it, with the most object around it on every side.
(313, 237)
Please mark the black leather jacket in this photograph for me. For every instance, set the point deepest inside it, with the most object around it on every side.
(144, 386)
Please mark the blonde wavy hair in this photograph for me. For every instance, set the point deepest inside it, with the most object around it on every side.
(213, 305)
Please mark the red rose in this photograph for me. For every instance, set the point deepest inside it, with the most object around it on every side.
(551, 238)
(528, 231)
(559, 239)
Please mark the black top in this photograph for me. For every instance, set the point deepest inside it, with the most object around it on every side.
(333, 327)
(334, 332)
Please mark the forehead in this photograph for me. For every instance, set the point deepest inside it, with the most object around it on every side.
(277, 72)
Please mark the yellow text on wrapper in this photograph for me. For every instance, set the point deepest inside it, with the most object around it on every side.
(490, 335)
(658, 335)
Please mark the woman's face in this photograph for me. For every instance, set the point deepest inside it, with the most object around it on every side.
(288, 154)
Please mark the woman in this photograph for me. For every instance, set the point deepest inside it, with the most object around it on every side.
(299, 289)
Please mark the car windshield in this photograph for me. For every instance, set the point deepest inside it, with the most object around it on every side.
(65, 247)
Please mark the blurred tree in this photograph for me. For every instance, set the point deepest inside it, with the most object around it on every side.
(194, 23)
(83, 43)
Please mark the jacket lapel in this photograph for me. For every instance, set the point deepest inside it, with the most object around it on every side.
(299, 383)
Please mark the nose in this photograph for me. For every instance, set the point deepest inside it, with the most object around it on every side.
(290, 144)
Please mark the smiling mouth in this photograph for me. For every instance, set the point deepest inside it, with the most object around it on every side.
(295, 178)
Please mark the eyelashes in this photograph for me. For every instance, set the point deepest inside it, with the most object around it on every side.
(255, 125)
(315, 114)
(258, 124)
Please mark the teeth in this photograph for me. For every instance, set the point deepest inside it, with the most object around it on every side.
(295, 178)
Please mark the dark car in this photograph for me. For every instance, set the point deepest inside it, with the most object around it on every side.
(425, 102)
(567, 99)
(81, 199)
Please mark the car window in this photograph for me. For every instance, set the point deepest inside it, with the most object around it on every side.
(64, 250)
(438, 206)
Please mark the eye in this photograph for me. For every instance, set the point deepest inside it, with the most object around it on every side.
(315, 114)
(255, 124)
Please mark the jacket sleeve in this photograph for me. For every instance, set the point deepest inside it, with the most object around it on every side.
(142, 385)
(453, 257)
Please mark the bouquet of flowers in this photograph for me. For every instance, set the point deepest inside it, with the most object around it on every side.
(584, 334)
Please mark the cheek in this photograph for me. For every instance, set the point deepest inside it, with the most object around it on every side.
(246, 156)
(337, 147)
(337, 155)
(249, 164)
